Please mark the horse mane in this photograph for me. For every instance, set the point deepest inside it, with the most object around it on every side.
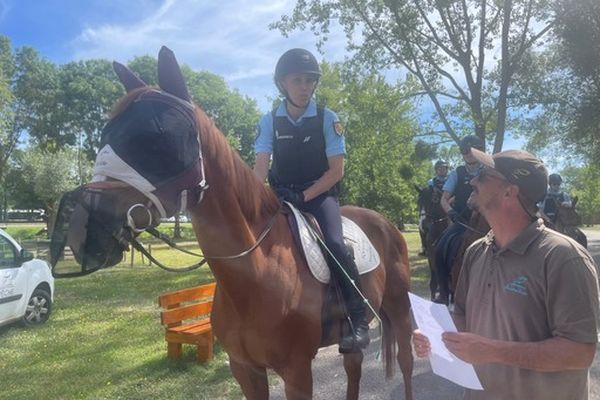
(243, 180)
(240, 177)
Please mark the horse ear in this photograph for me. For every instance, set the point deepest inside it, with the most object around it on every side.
(127, 77)
(170, 78)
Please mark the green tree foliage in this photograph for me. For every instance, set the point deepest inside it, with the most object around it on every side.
(584, 183)
(50, 174)
(88, 92)
(382, 164)
(562, 85)
(449, 47)
(9, 133)
(579, 31)
(234, 114)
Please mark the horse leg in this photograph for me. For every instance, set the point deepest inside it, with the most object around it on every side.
(297, 379)
(252, 380)
(353, 367)
(402, 327)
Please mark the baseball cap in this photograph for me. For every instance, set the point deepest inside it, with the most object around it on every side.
(520, 168)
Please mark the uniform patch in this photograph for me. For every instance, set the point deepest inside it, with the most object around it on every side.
(338, 128)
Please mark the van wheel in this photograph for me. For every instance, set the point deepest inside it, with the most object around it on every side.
(38, 308)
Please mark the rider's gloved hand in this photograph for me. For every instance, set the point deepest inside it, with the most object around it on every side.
(294, 197)
(453, 215)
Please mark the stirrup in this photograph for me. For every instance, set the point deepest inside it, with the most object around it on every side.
(354, 341)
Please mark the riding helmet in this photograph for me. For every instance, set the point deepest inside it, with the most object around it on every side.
(440, 163)
(471, 141)
(295, 61)
(554, 179)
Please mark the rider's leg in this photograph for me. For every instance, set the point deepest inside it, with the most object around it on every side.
(326, 210)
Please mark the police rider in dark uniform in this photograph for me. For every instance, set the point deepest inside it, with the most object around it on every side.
(435, 183)
(555, 199)
(308, 149)
(456, 191)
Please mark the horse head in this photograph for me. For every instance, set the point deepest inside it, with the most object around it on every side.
(149, 165)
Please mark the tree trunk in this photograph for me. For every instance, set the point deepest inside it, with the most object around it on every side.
(177, 228)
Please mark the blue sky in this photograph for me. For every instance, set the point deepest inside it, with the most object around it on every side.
(229, 38)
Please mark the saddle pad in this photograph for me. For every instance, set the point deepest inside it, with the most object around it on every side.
(365, 254)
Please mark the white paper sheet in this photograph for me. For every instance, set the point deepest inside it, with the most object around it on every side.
(434, 319)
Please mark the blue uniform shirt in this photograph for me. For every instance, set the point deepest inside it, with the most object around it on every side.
(335, 144)
(450, 185)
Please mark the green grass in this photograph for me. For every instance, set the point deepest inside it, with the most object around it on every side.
(104, 340)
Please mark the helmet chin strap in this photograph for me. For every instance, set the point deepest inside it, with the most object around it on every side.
(289, 99)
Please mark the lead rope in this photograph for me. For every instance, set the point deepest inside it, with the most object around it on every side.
(317, 237)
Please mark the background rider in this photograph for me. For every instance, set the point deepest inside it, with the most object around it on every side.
(527, 300)
(456, 191)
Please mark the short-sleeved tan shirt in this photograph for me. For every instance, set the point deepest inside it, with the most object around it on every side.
(542, 285)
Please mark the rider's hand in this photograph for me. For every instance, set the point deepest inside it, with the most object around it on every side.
(453, 215)
(296, 198)
(421, 344)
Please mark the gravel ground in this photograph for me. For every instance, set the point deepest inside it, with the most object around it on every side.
(330, 378)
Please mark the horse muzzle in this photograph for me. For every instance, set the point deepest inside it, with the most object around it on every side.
(88, 222)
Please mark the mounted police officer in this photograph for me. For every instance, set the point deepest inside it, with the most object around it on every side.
(554, 200)
(441, 174)
(436, 184)
(456, 191)
(308, 148)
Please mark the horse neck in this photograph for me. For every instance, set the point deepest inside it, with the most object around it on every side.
(234, 211)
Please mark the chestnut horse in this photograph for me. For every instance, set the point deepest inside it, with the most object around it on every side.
(268, 307)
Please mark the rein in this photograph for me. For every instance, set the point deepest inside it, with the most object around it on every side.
(469, 227)
(154, 232)
(436, 220)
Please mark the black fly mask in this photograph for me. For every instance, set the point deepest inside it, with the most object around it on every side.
(152, 146)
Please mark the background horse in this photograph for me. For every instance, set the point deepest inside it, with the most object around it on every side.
(567, 221)
(477, 228)
(267, 307)
(433, 225)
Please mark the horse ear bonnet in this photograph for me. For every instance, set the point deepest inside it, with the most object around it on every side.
(153, 144)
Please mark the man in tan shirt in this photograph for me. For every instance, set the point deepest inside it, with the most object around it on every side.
(527, 301)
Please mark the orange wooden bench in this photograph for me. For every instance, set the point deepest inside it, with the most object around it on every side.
(186, 318)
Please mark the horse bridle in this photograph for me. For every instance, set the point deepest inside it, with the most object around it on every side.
(154, 232)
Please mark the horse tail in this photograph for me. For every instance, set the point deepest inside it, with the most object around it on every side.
(388, 345)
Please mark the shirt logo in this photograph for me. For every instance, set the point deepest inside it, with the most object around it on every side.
(306, 139)
(517, 286)
(278, 136)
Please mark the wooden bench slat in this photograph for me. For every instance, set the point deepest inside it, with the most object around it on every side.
(204, 323)
(180, 316)
(198, 292)
(183, 313)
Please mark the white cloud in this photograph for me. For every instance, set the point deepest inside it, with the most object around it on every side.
(231, 39)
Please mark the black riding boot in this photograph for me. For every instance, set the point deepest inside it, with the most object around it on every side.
(356, 338)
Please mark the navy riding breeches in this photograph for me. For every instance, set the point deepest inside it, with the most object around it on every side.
(326, 210)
